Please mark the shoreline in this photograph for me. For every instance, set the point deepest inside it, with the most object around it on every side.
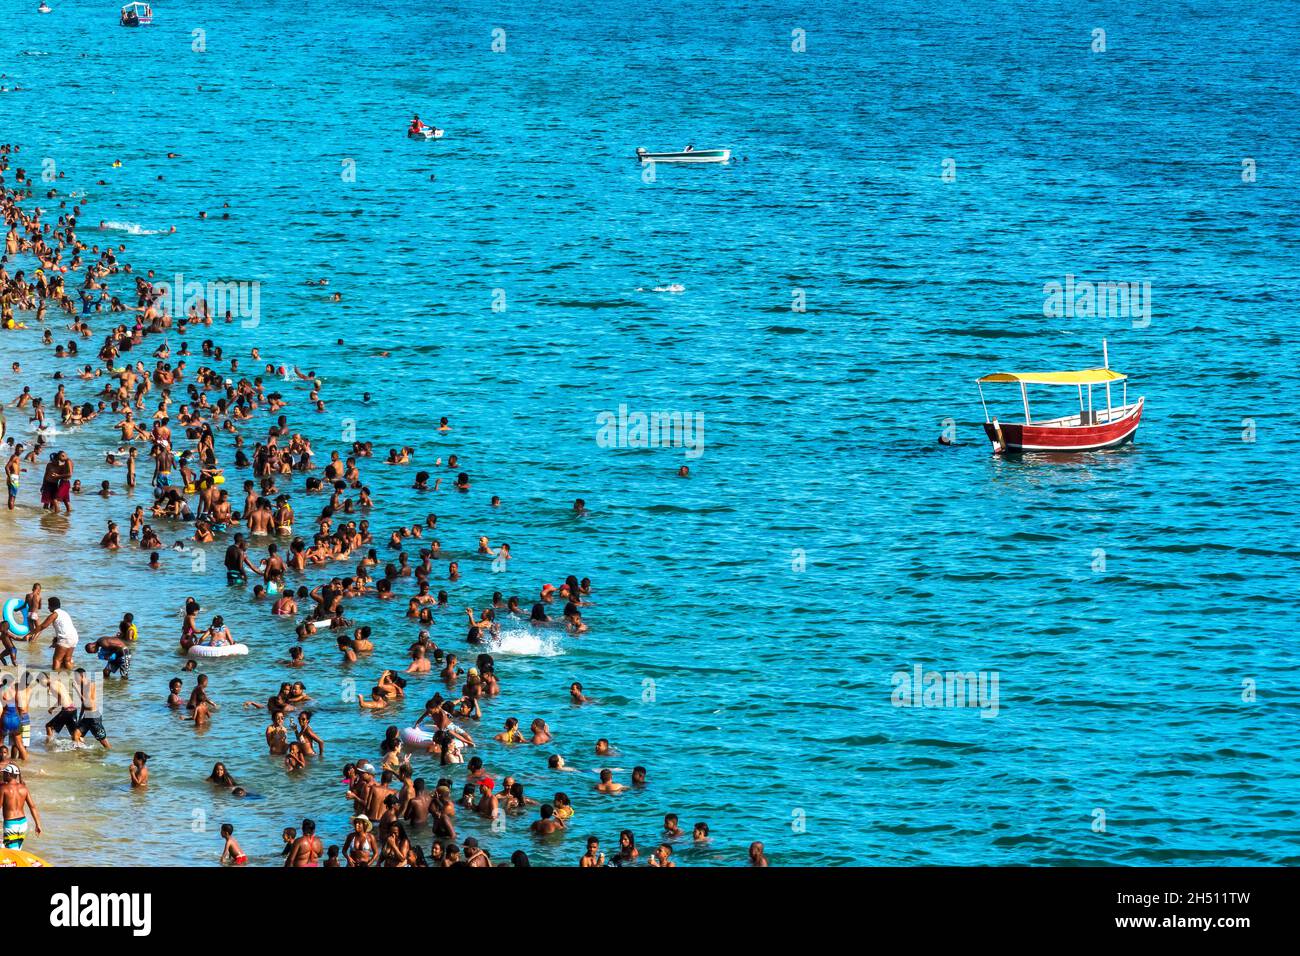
(58, 782)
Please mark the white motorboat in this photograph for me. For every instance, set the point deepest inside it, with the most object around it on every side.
(688, 155)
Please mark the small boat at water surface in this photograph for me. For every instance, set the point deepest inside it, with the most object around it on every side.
(1092, 428)
(688, 155)
(428, 132)
(136, 15)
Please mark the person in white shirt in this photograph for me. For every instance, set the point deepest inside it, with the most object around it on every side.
(65, 635)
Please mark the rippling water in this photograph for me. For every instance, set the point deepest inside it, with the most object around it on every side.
(751, 617)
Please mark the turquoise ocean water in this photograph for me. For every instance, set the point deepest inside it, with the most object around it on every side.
(749, 618)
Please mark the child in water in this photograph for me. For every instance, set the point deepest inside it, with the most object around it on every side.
(139, 772)
(231, 851)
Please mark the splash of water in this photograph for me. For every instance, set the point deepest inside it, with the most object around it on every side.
(523, 642)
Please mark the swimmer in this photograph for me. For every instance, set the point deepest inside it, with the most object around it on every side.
(311, 744)
(662, 856)
(200, 705)
(593, 856)
(230, 850)
(217, 634)
(379, 699)
(546, 824)
(221, 776)
(627, 849)
(139, 772)
(541, 734)
(419, 662)
(512, 734)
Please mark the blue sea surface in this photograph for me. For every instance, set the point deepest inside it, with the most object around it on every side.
(902, 190)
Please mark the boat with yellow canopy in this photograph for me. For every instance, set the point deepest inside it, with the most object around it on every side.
(1091, 428)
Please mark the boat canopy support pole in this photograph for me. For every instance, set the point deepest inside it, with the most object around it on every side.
(982, 402)
(1105, 361)
(1024, 397)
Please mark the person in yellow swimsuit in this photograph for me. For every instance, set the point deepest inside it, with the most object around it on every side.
(512, 734)
(563, 807)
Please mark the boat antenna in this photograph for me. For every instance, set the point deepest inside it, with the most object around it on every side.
(1105, 358)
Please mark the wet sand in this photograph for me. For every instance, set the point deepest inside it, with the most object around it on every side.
(59, 781)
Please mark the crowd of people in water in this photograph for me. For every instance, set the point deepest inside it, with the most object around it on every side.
(186, 425)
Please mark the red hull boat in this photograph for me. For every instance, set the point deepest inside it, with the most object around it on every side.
(1091, 428)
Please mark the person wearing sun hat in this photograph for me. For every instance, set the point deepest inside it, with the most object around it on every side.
(363, 782)
(360, 847)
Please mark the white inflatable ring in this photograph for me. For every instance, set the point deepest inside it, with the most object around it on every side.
(416, 736)
(220, 650)
(15, 616)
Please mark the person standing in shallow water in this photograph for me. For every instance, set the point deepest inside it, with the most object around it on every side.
(11, 723)
(16, 802)
(231, 852)
(65, 635)
(306, 849)
(13, 472)
(360, 848)
(91, 719)
(56, 485)
(64, 709)
(277, 735)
